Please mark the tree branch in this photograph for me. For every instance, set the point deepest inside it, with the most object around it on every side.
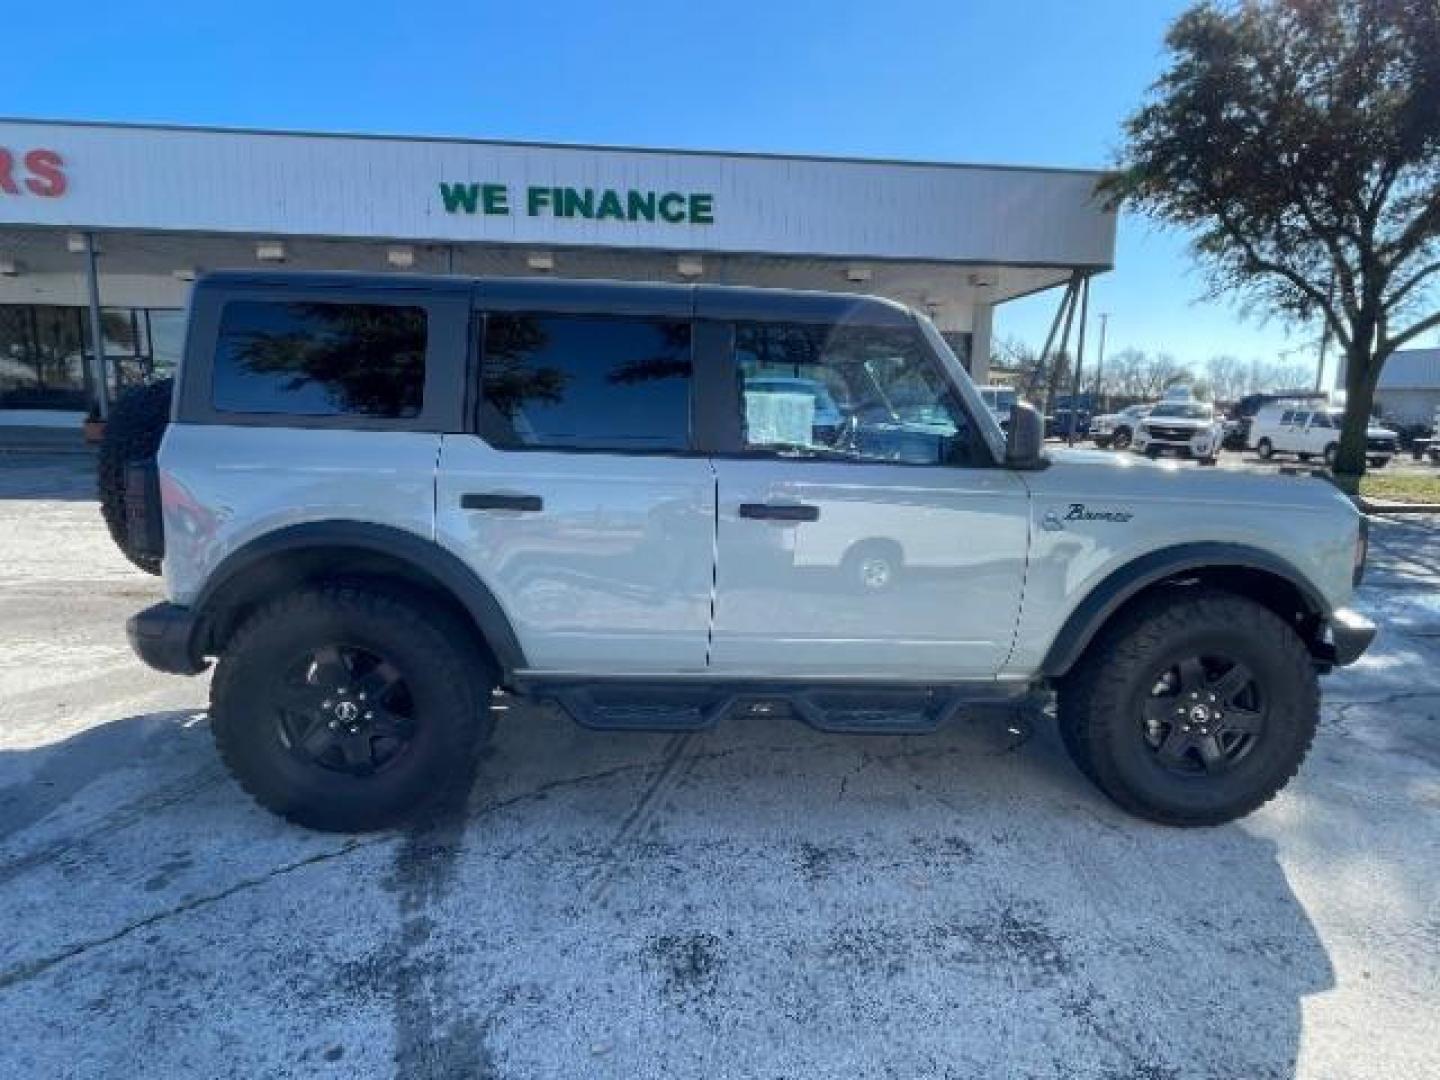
(1259, 262)
(1430, 322)
(1415, 279)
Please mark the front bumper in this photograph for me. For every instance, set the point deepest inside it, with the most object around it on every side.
(1348, 635)
(164, 637)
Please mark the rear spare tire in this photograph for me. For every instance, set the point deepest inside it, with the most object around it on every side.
(133, 432)
(1194, 708)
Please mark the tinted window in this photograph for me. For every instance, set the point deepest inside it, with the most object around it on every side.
(311, 358)
(1287, 416)
(1299, 418)
(586, 382)
(848, 392)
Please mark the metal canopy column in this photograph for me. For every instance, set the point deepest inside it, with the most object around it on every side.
(97, 330)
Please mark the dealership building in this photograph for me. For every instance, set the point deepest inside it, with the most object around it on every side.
(103, 227)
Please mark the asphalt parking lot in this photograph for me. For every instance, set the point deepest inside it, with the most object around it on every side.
(758, 901)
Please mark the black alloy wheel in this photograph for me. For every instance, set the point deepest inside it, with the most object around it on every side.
(347, 709)
(1204, 715)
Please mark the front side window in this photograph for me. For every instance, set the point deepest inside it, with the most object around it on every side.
(582, 382)
(848, 392)
(320, 358)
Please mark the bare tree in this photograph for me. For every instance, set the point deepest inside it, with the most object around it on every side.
(1228, 375)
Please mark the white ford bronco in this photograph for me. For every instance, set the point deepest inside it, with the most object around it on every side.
(380, 499)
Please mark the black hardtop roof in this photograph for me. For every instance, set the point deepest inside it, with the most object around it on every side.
(588, 294)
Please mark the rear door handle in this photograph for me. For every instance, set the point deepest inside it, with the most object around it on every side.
(780, 511)
(494, 500)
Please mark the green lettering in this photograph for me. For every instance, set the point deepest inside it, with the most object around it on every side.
(459, 196)
(672, 207)
(496, 199)
(537, 199)
(702, 209)
(641, 204)
(576, 203)
(610, 206)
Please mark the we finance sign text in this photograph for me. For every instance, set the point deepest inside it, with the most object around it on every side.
(595, 204)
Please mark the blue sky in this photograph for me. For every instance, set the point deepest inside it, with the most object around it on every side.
(1025, 81)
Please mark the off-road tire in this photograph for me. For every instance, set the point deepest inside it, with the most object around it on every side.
(444, 672)
(133, 432)
(1101, 701)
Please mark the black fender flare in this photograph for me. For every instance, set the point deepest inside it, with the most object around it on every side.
(424, 555)
(1125, 582)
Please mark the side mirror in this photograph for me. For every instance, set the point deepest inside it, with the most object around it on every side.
(1025, 441)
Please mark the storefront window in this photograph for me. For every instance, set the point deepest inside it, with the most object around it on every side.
(43, 352)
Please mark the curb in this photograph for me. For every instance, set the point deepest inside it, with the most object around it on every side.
(58, 450)
(1372, 507)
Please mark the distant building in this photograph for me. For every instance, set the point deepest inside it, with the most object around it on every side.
(1409, 387)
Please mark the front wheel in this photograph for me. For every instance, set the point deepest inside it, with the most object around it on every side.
(1194, 708)
(1121, 439)
(1265, 449)
(348, 709)
(1330, 452)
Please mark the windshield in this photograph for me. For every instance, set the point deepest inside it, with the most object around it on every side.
(1185, 410)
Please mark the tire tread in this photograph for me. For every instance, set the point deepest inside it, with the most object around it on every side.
(1089, 704)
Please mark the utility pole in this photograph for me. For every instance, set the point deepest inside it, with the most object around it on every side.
(1100, 363)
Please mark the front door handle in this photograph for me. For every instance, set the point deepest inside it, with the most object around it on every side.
(780, 511)
(494, 500)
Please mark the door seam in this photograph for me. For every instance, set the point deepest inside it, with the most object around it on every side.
(714, 560)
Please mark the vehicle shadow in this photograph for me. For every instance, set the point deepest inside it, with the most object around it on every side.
(758, 899)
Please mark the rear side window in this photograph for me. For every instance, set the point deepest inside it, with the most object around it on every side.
(580, 382)
(319, 358)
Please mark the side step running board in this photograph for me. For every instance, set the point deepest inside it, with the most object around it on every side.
(620, 705)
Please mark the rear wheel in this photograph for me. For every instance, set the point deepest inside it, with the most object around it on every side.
(1265, 449)
(1330, 452)
(1194, 709)
(349, 709)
